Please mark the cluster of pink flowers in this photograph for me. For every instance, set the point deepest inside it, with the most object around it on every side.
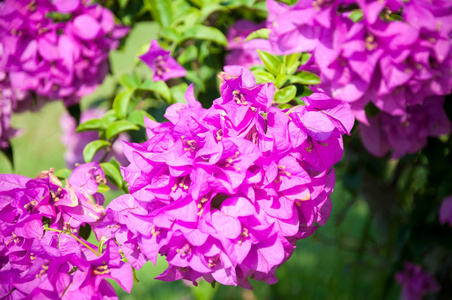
(224, 193)
(396, 55)
(58, 60)
(416, 282)
(406, 134)
(10, 100)
(55, 60)
(41, 252)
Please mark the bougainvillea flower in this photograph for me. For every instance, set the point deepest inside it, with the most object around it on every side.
(10, 100)
(41, 252)
(416, 282)
(224, 193)
(162, 63)
(405, 135)
(445, 211)
(57, 60)
(395, 63)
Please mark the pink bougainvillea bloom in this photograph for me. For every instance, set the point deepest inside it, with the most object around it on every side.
(57, 60)
(224, 193)
(10, 100)
(162, 63)
(405, 135)
(39, 256)
(416, 282)
(445, 212)
(395, 63)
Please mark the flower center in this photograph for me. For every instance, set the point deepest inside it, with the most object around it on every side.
(160, 65)
(101, 270)
(239, 98)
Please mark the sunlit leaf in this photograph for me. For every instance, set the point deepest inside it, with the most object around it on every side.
(121, 104)
(113, 174)
(118, 127)
(91, 149)
(271, 62)
(285, 95)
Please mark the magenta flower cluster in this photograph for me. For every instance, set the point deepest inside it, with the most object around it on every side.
(405, 134)
(224, 193)
(55, 60)
(10, 100)
(396, 55)
(42, 255)
(416, 282)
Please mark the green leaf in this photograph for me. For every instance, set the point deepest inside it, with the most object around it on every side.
(92, 148)
(58, 17)
(63, 173)
(93, 124)
(118, 127)
(122, 3)
(190, 17)
(158, 87)
(232, 4)
(285, 106)
(395, 17)
(262, 6)
(178, 92)
(263, 76)
(201, 32)
(130, 81)
(188, 54)
(305, 93)
(262, 33)
(356, 15)
(209, 9)
(305, 57)
(113, 173)
(282, 69)
(281, 79)
(306, 78)
(121, 104)
(102, 188)
(271, 62)
(160, 11)
(109, 117)
(169, 34)
(194, 77)
(137, 117)
(292, 62)
(285, 95)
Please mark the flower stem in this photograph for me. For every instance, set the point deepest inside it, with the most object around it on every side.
(75, 237)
